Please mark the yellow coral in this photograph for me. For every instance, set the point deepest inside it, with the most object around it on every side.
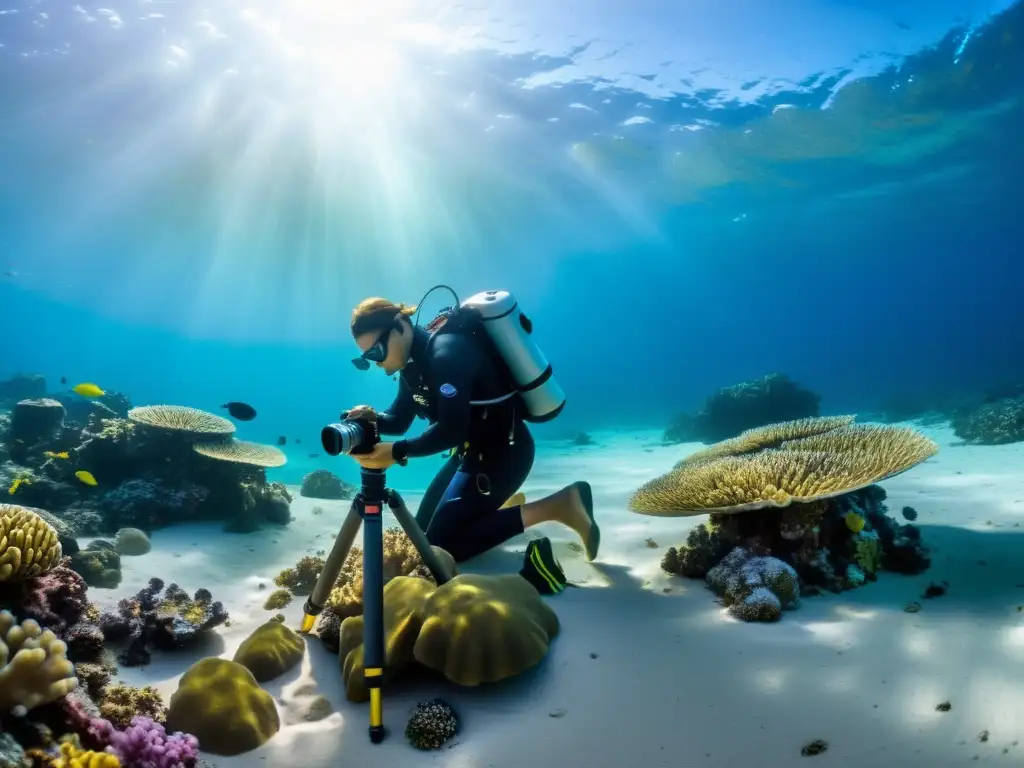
(34, 668)
(28, 544)
(834, 463)
(400, 559)
(768, 436)
(121, 703)
(75, 757)
(868, 551)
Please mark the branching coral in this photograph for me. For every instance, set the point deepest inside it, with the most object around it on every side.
(34, 668)
(146, 744)
(121, 703)
(148, 620)
(302, 578)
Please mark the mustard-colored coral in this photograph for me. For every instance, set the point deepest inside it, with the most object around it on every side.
(190, 422)
(72, 756)
(890, 449)
(28, 544)
(34, 668)
(768, 436)
(270, 651)
(121, 703)
(831, 464)
(277, 599)
(302, 578)
(221, 704)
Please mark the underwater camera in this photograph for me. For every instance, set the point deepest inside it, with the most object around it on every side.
(349, 437)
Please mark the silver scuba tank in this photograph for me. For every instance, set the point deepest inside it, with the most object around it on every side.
(510, 331)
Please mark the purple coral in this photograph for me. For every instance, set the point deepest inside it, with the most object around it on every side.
(56, 600)
(146, 744)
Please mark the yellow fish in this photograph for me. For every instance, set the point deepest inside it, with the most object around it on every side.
(854, 522)
(52, 455)
(85, 477)
(88, 390)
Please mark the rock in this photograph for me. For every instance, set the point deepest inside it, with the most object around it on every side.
(35, 421)
(21, 387)
(131, 542)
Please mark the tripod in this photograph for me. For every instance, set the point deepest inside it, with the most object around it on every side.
(366, 511)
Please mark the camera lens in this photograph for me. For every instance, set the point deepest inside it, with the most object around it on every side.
(341, 438)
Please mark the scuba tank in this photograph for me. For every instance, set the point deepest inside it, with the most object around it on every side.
(510, 332)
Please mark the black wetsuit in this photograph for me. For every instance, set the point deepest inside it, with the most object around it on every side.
(494, 450)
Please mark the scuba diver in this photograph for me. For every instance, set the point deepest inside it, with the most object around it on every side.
(475, 374)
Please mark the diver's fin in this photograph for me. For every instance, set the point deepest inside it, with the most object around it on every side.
(593, 542)
(515, 500)
(541, 568)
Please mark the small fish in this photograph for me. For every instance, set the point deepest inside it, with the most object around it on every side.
(18, 482)
(87, 389)
(282, 440)
(85, 477)
(52, 455)
(63, 379)
(314, 455)
(297, 441)
(240, 411)
(854, 522)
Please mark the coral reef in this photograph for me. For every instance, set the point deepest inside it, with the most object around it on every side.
(153, 466)
(800, 517)
(432, 724)
(997, 422)
(321, 484)
(770, 399)
(150, 621)
(277, 599)
(146, 743)
(221, 703)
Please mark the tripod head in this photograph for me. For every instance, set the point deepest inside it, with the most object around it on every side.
(373, 486)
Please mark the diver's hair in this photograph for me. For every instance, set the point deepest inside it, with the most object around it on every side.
(376, 314)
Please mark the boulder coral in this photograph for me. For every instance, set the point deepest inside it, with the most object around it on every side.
(221, 704)
(270, 651)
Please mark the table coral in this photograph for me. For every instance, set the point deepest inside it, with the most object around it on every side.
(34, 669)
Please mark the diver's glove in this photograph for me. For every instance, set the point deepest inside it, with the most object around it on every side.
(359, 413)
(542, 570)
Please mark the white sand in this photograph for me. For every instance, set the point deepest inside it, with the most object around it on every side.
(675, 681)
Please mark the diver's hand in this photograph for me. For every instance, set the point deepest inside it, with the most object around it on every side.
(381, 457)
(360, 412)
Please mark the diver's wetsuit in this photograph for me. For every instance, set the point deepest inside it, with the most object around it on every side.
(494, 450)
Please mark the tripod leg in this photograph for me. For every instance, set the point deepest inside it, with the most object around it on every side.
(373, 615)
(333, 565)
(418, 538)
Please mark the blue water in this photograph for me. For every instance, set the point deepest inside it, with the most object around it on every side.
(682, 196)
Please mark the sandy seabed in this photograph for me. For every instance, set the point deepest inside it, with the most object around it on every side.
(648, 669)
